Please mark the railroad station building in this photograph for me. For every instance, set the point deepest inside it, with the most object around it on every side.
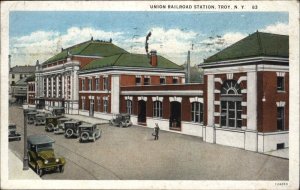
(243, 101)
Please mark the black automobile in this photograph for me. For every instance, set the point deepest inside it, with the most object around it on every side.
(31, 117)
(60, 127)
(121, 120)
(58, 111)
(40, 119)
(89, 132)
(12, 133)
(71, 128)
(51, 122)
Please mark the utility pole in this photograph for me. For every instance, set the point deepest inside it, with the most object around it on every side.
(25, 159)
(188, 68)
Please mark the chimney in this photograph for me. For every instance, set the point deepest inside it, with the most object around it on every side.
(153, 58)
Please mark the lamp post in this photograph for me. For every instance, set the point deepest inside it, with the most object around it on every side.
(25, 159)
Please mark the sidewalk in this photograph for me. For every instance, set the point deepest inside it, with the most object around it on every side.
(86, 119)
(282, 153)
(15, 169)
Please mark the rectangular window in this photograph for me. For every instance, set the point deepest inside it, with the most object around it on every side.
(21, 76)
(97, 84)
(231, 114)
(146, 81)
(13, 76)
(129, 106)
(90, 84)
(105, 83)
(280, 118)
(175, 81)
(105, 106)
(162, 80)
(82, 84)
(137, 80)
(197, 112)
(280, 83)
(157, 109)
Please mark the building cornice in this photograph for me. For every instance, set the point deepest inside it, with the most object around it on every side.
(164, 93)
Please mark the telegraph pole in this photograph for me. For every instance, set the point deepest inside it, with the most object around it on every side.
(25, 159)
(188, 68)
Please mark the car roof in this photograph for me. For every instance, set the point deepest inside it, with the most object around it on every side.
(11, 124)
(86, 125)
(64, 118)
(72, 121)
(39, 139)
(40, 114)
(32, 112)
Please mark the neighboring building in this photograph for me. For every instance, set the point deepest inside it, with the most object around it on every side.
(17, 84)
(243, 101)
(247, 94)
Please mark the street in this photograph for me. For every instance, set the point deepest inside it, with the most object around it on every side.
(131, 153)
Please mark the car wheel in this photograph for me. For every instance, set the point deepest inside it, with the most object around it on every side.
(69, 132)
(30, 120)
(39, 171)
(84, 136)
(61, 169)
(50, 127)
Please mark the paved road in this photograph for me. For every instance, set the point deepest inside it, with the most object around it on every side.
(131, 153)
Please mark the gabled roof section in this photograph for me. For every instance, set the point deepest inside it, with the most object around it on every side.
(131, 60)
(88, 48)
(254, 45)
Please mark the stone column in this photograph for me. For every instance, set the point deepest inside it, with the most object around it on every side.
(63, 85)
(210, 129)
(57, 85)
(115, 94)
(47, 87)
(51, 86)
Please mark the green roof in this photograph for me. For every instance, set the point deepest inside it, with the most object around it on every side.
(89, 48)
(131, 60)
(256, 44)
(39, 139)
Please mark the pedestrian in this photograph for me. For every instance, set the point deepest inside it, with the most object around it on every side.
(156, 131)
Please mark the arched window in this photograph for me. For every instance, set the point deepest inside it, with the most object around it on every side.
(231, 104)
(157, 109)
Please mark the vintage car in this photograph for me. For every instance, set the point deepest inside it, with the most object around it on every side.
(41, 154)
(51, 122)
(60, 127)
(40, 119)
(121, 120)
(12, 133)
(71, 128)
(89, 132)
(58, 111)
(31, 117)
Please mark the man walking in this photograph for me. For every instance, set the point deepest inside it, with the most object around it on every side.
(156, 131)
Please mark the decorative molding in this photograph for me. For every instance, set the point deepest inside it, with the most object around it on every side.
(196, 99)
(242, 78)
(218, 80)
(244, 116)
(217, 91)
(128, 98)
(91, 97)
(217, 103)
(244, 91)
(105, 97)
(166, 92)
(156, 98)
(280, 104)
(244, 103)
(142, 98)
(216, 113)
(175, 99)
(217, 125)
(229, 76)
(280, 74)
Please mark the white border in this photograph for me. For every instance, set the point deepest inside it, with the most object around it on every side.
(291, 6)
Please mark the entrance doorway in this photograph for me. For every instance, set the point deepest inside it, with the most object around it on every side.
(142, 112)
(91, 113)
(175, 116)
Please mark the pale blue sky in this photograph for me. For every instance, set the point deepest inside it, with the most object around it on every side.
(129, 29)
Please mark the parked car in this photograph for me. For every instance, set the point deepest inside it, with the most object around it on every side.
(121, 120)
(58, 111)
(51, 122)
(89, 132)
(41, 154)
(60, 127)
(31, 117)
(71, 128)
(40, 119)
(12, 133)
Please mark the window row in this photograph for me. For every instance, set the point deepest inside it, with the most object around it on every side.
(147, 80)
(96, 105)
(88, 84)
(197, 114)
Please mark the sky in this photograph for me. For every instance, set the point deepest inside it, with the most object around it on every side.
(37, 35)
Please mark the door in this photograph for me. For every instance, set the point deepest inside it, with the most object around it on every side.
(92, 108)
(142, 112)
(175, 116)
